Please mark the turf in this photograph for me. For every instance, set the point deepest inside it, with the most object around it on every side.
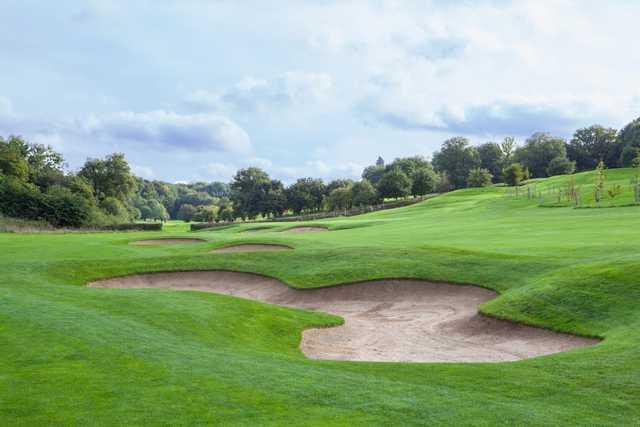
(77, 355)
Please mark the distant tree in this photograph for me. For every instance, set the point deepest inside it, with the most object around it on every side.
(158, 211)
(249, 192)
(492, 159)
(423, 181)
(513, 174)
(598, 188)
(456, 158)
(306, 194)
(114, 207)
(205, 213)
(479, 177)
(538, 151)
(110, 177)
(12, 160)
(276, 199)
(338, 183)
(628, 155)
(187, 212)
(507, 146)
(340, 198)
(629, 136)
(364, 194)
(373, 174)
(394, 184)
(443, 185)
(561, 166)
(590, 145)
(409, 165)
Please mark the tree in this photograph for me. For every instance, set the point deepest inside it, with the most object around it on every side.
(249, 192)
(423, 181)
(114, 207)
(538, 152)
(12, 160)
(479, 177)
(306, 194)
(226, 214)
(443, 185)
(492, 159)
(373, 174)
(158, 211)
(340, 198)
(590, 145)
(205, 214)
(110, 177)
(409, 165)
(456, 158)
(628, 155)
(380, 162)
(598, 187)
(513, 174)
(561, 166)
(394, 184)
(338, 183)
(187, 212)
(276, 199)
(507, 146)
(364, 194)
(629, 136)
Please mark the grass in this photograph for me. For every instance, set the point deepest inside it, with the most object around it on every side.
(77, 355)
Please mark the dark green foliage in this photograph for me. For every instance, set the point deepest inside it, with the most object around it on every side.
(374, 173)
(492, 159)
(187, 212)
(394, 184)
(340, 198)
(364, 194)
(110, 177)
(306, 194)
(590, 145)
(479, 177)
(423, 181)
(538, 152)
(628, 155)
(561, 166)
(456, 158)
(156, 226)
(338, 183)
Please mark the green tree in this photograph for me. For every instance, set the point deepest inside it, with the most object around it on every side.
(513, 174)
(629, 136)
(340, 198)
(598, 188)
(456, 157)
(306, 194)
(423, 181)
(590, 145)
(187, 212)
(492, 159)
(373, 173)
(12, 160)
(479, 177)
(561, 166)
(364, 194)
(394, 184)
(538, 152)
(158, 211)
(110, 177)
(249, 192)
(507, 146)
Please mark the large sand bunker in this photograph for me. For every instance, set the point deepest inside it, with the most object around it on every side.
(168, 241)
(305, 229)
(385, 320)
(252, 247)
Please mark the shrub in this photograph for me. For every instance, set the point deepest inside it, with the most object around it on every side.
(561, 166)
(513, 174)
(479, 177)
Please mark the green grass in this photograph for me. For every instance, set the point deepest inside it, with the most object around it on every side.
(77, 355)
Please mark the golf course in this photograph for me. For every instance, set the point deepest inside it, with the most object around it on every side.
(86, 340)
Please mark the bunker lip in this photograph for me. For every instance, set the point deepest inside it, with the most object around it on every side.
(252, 247)
(389, 320)
(306, 229)
(167, 241)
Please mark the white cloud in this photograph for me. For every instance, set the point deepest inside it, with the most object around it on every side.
(256, 95)
(142, 171)
(193, 132)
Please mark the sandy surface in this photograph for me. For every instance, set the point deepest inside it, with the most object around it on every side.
(251, 247)
(385, 320)
(305, 229)
(168, 241)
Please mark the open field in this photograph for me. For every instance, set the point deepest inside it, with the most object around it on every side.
(79, 355)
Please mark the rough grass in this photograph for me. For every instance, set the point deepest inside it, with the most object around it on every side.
(77, 355)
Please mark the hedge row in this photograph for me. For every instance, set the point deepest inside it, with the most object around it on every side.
(134, 226)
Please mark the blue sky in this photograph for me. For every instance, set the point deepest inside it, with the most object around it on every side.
(193, 90)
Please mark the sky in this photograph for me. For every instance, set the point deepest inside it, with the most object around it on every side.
(194, 90)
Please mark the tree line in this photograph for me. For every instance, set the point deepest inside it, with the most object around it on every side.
(35, 185)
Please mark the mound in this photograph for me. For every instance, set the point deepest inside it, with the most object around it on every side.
(251, 247)
(168, 241)
(305, 229)
(385, 320)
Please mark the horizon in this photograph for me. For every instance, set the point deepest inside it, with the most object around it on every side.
(194, 91)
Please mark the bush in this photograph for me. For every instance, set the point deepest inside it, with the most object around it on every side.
(187, 212)
(479, 177)
(561, 166)
(156, 226)
(629, 154)
(364, 194)
(513, 174)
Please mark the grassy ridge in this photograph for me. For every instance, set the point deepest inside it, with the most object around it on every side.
(78, 355)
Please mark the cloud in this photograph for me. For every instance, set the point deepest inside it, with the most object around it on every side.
(192, 132)
(142, 171)
(255, 95)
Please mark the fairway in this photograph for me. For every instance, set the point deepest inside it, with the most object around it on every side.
(74, 354)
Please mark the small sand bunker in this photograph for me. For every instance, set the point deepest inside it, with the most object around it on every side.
(305, 229)
(252, 247)
(168, 241)
(385, 320)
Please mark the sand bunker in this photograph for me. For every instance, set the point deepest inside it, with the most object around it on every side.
(305, 229)
(168, 241)
(385, 320)
(252, 247)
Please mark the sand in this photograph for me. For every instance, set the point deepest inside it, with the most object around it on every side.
(305, 229)
(385, 320)
(168, 241)
(252, 247)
